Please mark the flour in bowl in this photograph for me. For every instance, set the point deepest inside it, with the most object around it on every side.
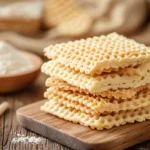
(12, 61)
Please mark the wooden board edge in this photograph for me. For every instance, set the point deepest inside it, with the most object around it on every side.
(70, 142)
(73, 142)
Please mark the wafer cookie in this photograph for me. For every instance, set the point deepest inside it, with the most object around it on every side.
(97, 122)
(117, 94)
(99, 54)
(71, 104)
(96, 104)
(94, 84)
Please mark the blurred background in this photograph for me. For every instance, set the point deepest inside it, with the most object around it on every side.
(34, 24)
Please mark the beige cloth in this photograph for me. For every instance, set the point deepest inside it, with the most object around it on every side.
(142, 35)
(128, 17)
(123, 16)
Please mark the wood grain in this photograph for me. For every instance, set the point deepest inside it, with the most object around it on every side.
(79, 137)
(9, 127)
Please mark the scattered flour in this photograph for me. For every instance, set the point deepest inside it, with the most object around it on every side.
(12, 61)
(27, 139)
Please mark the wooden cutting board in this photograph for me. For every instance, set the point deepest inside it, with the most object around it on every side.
(79, 137)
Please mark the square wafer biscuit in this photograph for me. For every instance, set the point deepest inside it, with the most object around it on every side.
(99, 54)
(117, 94)
(98, 122)
(96, 104)
(95, 84)
(72, 104)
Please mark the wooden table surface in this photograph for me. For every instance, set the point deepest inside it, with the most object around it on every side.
(9, 127)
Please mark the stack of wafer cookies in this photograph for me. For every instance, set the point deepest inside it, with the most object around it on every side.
(100, 82)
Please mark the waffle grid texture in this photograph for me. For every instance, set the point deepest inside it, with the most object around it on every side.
(99, 54)
(98, 122)
(100, 82)
(95, 84)
(95, 104)
(117, 94)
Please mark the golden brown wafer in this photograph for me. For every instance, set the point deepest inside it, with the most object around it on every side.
(95, 55)
(72, 104)
(96, 84)
(117, 94)
(96, 104)
(97, 122)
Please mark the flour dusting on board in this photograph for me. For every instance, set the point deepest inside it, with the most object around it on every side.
(27, 139)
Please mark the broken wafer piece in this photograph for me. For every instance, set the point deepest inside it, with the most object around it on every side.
(96, 104)
(99, 54)
(98, 122)
(117, 94)
(95, 84)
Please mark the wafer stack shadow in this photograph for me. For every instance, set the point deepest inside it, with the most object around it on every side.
(99, 82)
